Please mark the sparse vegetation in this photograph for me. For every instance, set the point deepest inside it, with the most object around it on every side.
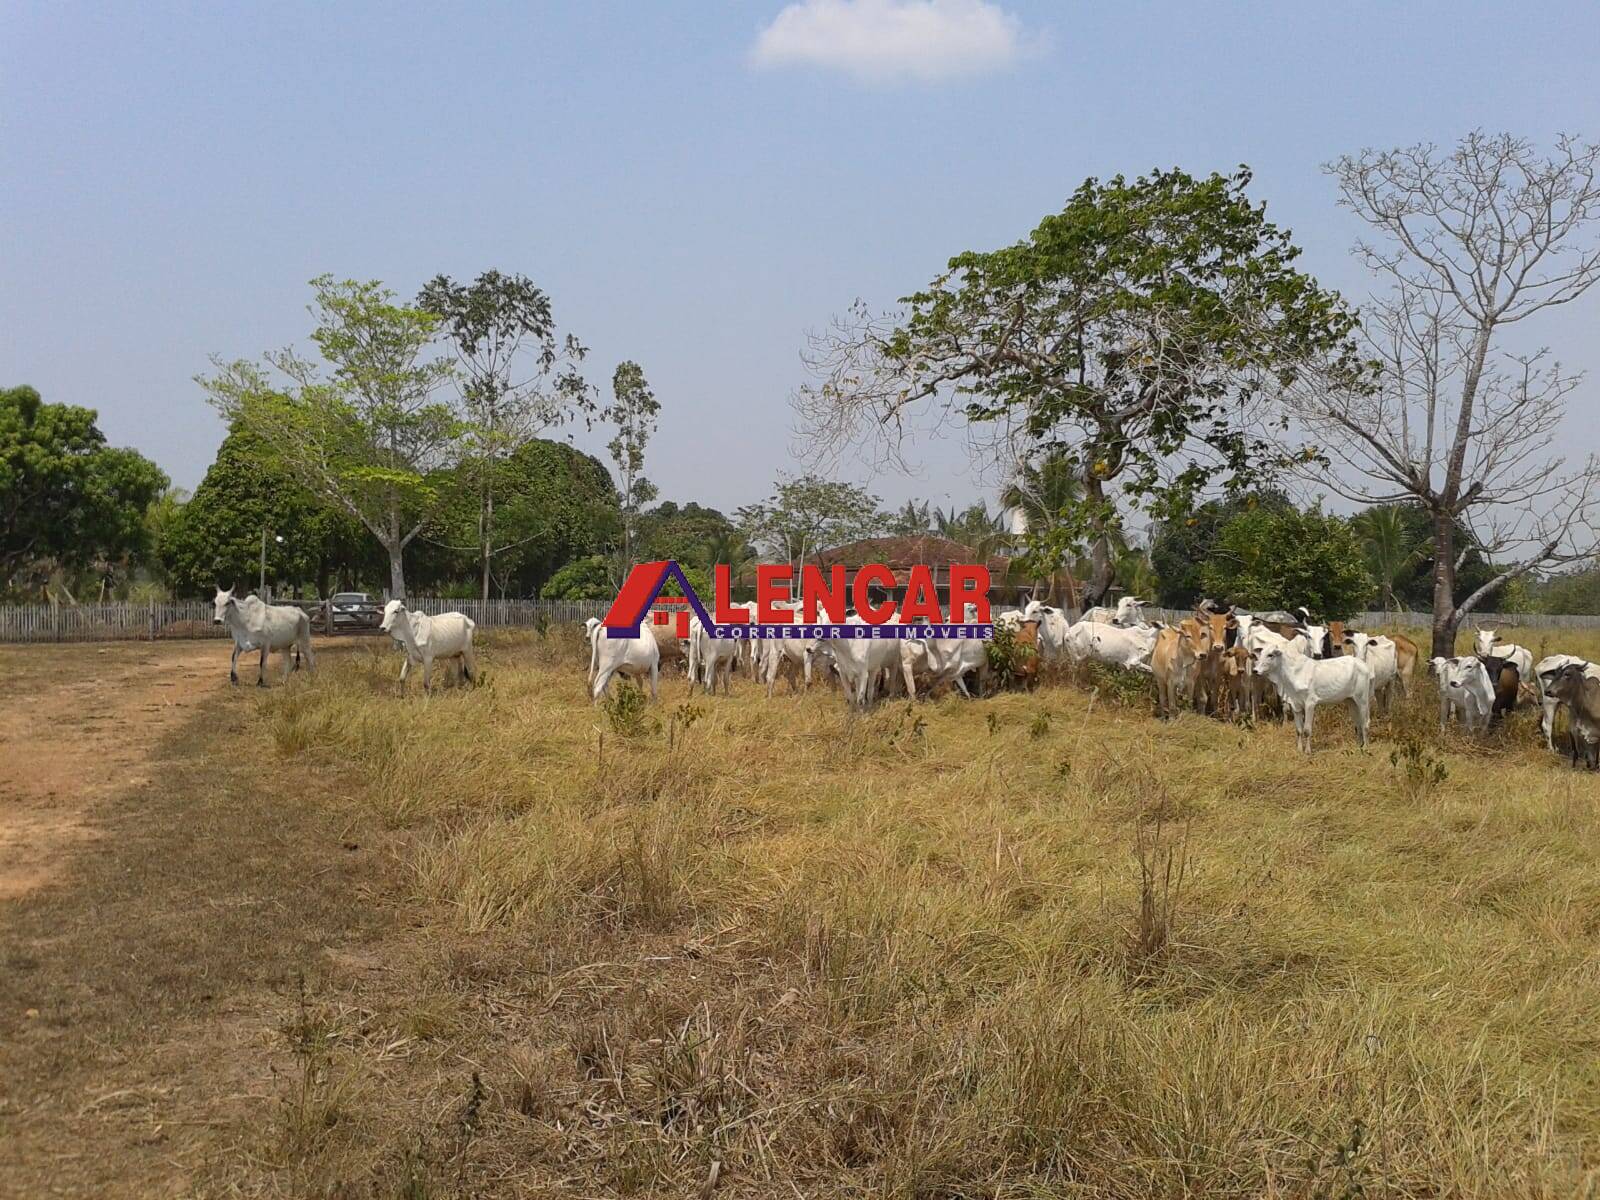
(919, 953)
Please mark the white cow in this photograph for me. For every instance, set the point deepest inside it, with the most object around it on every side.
(1254, 635)
(772, 655)
(426, 639)
(1129, 611)
(710, 657)
(1111, 644)
(1544, 675)
(944, 660)
(257, 625)
(1487, 644)
(1465, 689)
(1053, 627)
(859, 661)
(1305, 683)
(590, 632)
(633, 658)
(1379, 654)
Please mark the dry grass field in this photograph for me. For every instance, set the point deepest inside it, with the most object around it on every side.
(1039, 945)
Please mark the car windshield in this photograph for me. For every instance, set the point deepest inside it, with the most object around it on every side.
(350, 598)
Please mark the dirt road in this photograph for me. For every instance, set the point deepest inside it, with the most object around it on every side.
(171, 887)
(79, 723)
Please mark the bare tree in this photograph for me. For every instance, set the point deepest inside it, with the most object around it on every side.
(1473, 241)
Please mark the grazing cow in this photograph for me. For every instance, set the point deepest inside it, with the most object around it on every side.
(632, 658)
(1379, 654)
(1574, 686)
(951, 660)
(1487, 644)
(1543, 674)
(1465, 690)
(257, 625)
(773, 656)
(672, 647)
(710, 658)
(859, 661)
(1118, 647)
(426, 639)
(1305, 683)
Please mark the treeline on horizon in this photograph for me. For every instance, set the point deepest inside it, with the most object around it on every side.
(105, 524)
(1152, 356)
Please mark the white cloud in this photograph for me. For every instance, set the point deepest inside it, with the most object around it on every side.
(885, 40)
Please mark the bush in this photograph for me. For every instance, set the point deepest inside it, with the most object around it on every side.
(1281, 558)
(581, 579)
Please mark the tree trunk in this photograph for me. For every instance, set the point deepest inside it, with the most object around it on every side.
(1445, 619)
(1101, 569)
(486, 530)
(395, 544)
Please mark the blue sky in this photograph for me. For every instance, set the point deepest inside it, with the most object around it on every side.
(174, 175)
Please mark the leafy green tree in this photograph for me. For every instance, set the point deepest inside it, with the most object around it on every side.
(586, 578)
(1282, 558)
(680, 532)
(1394, 549)
(1128, 336)
(66, 497)
(517, 379)
(365, 431)
(555, 504)
(214, 540)
(910, 520)
(633, 411)
(810, 514)
(1180, 547)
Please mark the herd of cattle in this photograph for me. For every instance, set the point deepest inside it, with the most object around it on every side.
(1222, 662)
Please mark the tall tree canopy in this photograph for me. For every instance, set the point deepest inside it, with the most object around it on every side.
(366, 429)
(633, 411)
(808, 514)
(516, 378)
(1127, 337)
(1281, 558)
(555, 503)
(215, 539)
(1473, 240)
(1180, 546)
(66, 497)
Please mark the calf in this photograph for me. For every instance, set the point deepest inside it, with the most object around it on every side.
(1507, 680)
(1575, 687)
(1175, 662)
(1305, 683)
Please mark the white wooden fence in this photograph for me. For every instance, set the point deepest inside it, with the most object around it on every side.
(128, 621)
(192, 618)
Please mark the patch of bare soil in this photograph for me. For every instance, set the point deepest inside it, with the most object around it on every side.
(79, 723)
(175, 890)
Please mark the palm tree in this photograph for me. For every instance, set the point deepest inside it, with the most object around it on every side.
(911, 520)
(728, 547)
(1392, 549)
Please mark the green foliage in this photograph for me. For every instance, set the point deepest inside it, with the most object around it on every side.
(586, 578)
(363, 430)
(1124, 336)
(681, 533)
(809, 514)
(553, 503)
(215, 539)
(913, 518)
(517, 378)
(1180, 547)
(1573, 592)
(1398, 547)
(66, 497)
(633, 411)
(627, 708)
(1280, 558)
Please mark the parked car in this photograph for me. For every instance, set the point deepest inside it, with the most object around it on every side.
(356, 610)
